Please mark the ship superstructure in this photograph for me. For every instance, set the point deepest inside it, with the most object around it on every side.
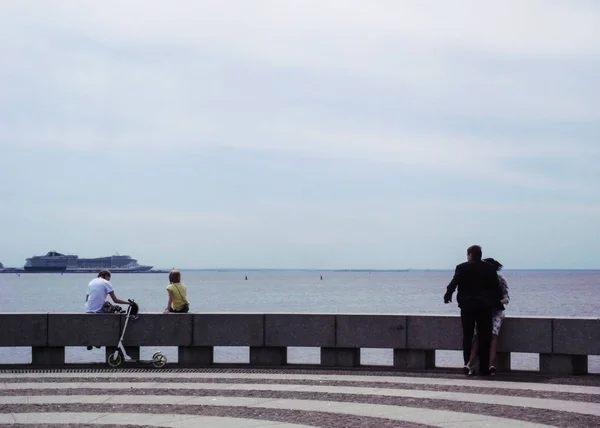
(54, 261)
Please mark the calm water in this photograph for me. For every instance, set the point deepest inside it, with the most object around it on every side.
(542, 293)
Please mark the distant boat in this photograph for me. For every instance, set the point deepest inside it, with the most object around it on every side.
(57, 262)
(9, 269)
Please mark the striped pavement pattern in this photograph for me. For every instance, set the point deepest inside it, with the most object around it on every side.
(233, 398)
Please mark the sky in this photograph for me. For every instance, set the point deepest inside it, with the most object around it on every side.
(337, 134)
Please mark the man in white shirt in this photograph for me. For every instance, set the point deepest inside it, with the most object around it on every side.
(98, 289)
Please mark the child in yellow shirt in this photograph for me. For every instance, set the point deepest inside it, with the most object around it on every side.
(177, 291)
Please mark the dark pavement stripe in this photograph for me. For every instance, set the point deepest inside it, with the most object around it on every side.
(543, 416)
(532, 377)
(568, 396)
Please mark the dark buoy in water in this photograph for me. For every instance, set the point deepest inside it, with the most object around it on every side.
(246, 277)
(321, 277)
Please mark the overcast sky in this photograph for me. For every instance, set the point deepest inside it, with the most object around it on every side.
(301, 134)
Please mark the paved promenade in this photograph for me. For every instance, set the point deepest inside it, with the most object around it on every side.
(247, 398)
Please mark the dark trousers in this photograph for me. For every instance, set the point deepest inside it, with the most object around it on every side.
(482, 316)
(183, 310)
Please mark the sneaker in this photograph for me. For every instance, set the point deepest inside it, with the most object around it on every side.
(468, 371)
(89, 348)
(492, 371)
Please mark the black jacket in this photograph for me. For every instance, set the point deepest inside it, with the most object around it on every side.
(478, 286)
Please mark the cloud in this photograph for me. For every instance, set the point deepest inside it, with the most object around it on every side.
(286, 116)
(348, 28)
(208, 73)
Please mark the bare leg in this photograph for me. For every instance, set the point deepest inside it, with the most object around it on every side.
(474, 351)
(493, 348)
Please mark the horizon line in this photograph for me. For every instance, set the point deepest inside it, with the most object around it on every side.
(368, 269)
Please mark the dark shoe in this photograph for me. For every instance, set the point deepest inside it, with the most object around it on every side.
(89, 348)
(493, 371)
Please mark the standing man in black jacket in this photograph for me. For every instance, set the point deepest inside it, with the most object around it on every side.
(478, 293)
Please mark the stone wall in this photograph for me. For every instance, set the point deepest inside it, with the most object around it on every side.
(563, 344)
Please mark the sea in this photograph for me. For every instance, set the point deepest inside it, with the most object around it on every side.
(560, 293)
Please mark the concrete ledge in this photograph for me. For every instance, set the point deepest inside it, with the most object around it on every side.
(48, 356)
(563, 344)
(24, 329)
(83, 329)
(299, 330)
(195, 356)
(228, 330)
(557, 364)
(522, 334)
(434, 332)
(369, 331)
(410, 359)
(576, 336)
(340, 357)
(268, 356)
(158, 330)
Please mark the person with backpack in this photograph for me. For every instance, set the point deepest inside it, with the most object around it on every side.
(479, 293)
(98, 290)
(96, 301)
(497, 319)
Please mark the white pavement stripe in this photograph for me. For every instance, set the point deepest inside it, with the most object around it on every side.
(174, 421)
(437, 418)
(537, 403)
(438, 381)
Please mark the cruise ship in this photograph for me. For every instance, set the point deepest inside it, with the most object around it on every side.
(54, 261)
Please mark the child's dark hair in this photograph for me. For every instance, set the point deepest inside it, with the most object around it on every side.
(174, 276)
(497, 265)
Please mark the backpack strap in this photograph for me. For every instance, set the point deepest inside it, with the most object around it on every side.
(181, 295)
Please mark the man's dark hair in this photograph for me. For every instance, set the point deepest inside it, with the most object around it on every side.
(475, 252)
(497, 265)
(104, 274)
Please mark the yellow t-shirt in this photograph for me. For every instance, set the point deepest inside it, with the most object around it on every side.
(179, 295)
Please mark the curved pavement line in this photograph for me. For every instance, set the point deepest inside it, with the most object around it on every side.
(180, 421)
(506, 400)
(434, 418)
(488, 383)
